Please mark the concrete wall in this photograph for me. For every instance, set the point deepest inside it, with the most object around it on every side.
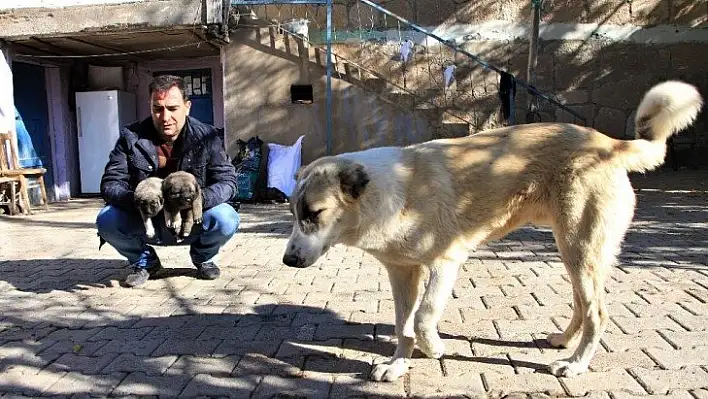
(257, 102)
(599, 57)
(58, 3)
(33, 21)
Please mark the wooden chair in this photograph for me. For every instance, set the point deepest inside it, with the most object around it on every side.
(12, 200)
(11, 171)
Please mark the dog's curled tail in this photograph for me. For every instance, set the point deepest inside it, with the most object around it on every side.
(666, 109)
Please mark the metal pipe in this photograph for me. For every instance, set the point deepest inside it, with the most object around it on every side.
(329, 77)
(267, 2)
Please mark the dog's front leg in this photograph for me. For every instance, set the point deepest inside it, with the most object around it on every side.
(172, 220)
(443, 274)
(149, 227)
(404, 287)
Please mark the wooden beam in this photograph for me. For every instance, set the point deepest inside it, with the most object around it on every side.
(32, 48)
(114, 49)
(63, 51)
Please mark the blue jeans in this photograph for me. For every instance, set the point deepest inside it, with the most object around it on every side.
(125, 232)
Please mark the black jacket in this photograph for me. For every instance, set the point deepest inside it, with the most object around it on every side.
(134, 158)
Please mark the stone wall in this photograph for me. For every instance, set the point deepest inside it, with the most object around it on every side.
(597, 57)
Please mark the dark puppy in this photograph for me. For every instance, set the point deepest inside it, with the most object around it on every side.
(148, 199)
(183, 202)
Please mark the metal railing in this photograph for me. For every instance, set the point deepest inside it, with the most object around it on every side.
(531, 89)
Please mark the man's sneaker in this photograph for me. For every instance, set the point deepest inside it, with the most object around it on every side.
(140, 275)
(208, 271)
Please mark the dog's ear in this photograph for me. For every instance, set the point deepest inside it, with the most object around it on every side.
(195, 186)
(353, 180)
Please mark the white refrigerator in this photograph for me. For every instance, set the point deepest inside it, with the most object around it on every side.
(100, 115)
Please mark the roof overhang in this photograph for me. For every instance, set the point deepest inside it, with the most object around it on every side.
(125, 31)
(119, 46)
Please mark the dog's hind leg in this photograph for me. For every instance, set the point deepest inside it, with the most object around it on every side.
(590, 313)
(571, 334)
(443, 274)
(589, 239)
(197, 209)
(187, 222)
(404, 287)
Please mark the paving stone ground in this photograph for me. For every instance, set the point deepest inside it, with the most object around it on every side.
(68, 328)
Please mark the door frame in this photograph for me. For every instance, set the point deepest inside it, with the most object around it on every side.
(140, 80)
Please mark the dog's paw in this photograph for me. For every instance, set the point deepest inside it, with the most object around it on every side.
(150, 232)
(557, 340)
(431, 345)
(566, 368)
(389, 371)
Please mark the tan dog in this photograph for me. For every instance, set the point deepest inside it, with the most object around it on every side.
(149, 201)
(183, 202)
(430, 204)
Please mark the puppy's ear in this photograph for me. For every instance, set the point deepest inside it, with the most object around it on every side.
(353, 180)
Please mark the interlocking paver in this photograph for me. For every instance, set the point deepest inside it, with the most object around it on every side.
(143, 384)
(204, 385)
(82, 384)
(68, 328)
(150, 365)
(662, 381)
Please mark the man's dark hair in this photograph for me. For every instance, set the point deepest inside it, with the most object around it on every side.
(163, 83)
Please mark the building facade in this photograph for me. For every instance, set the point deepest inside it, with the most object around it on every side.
(254, 75)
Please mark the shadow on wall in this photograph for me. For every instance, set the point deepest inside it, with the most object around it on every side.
(602, 80)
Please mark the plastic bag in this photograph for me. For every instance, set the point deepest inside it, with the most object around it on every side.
(283, 162)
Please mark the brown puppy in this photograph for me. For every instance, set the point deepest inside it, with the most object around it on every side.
(183, 202)
(149, 200)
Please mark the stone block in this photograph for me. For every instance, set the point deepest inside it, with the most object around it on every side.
(649, 12)
(661, 382)
(587, 11)
(203, 385)
(629, 131)
(693, 13)
(688, 57)
(434, 12)
(617, 379)
(572, 97)
(629, 60)
(624, 94)
(586, 111)
(611, 122)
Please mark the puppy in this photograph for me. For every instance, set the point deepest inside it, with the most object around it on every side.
(183, 202)
(149, 201)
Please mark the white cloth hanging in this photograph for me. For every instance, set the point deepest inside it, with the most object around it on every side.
(406, 48)
(7, 106)
(449, 75)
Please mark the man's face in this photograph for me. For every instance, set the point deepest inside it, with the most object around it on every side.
(169, 112)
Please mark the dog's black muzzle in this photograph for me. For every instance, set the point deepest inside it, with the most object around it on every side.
(294, 261)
